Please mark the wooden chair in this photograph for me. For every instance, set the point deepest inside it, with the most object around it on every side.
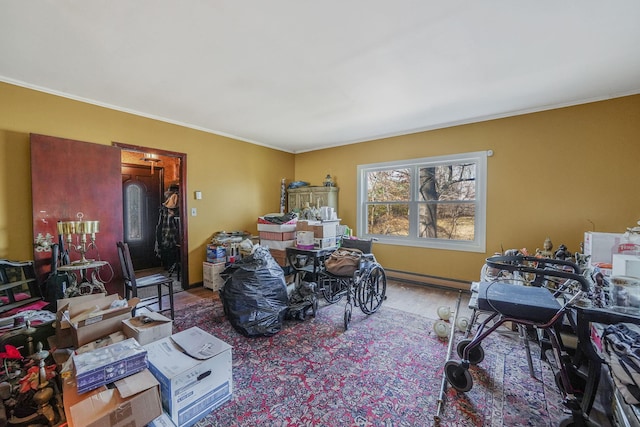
(133, 283)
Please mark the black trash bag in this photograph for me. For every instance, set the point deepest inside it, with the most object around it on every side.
(254, 295)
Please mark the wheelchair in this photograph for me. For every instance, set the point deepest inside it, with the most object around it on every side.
(366, 288)
(552, 289)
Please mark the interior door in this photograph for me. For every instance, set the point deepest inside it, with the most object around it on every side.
(70, 177)
(141, 197)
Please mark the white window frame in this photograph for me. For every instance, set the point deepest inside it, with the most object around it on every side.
(479, 158)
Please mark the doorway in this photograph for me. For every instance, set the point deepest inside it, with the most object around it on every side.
(141, 199)
(147, 175)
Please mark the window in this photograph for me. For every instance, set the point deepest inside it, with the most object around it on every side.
(134, 214)
(435, 202)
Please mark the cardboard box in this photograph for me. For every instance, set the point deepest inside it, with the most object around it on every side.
(108, 364)
(162, 421)
(601, 247)
(270, 235)
(307, 225)
(147, 328)
(280, 228)
(102, 342)
(280, 256)
(133, 402)
(326, 229)
(331, 242)
(75, 304)
(280, 245)
(99, 320)
(194, 370)
(211, 278)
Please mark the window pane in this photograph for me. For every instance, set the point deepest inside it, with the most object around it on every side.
(448, 182)
(389, 185)
(133, 208)
(452, 221)
(388, 219)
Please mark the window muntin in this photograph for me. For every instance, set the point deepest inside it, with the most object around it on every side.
(434, 202)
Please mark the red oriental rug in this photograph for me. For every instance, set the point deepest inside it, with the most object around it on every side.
(386, 370)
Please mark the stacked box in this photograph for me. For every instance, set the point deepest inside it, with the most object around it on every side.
(280, 256)
(326, 243)
(278, 228)
(148, 328)
(211, 278)
(307, 225)
(95, 317)
(131, 401)
(601, 247)
(279, 245)
(194, 370)
(276, 235)
(320, 229)
(108, 364)
(327, 229)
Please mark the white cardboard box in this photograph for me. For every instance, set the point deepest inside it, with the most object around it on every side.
(195, 374)
(601, 246)
(147, 328)
(280, 228)
(279, 245)
(326, 243)
(162, 421)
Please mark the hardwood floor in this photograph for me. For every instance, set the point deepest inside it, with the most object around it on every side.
(417, 299)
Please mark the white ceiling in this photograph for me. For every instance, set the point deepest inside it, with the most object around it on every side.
(300, 75)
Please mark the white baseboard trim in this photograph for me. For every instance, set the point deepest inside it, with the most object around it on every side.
(426, 280)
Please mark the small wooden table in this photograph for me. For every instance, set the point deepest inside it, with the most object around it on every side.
(85, 285)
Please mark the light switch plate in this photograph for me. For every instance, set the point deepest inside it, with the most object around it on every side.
(194, 212)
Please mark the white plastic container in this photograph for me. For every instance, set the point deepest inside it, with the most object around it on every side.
(625, 294)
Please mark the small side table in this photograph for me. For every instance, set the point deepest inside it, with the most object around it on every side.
(84, 285)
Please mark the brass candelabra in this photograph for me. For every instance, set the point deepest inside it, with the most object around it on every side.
(80, 229)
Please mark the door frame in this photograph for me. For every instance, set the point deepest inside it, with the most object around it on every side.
(153, 227)
(184, 222)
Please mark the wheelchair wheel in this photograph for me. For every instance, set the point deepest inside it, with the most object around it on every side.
(476, 354)
(458, 377)
(333, 290)
(347, 317)
(372, 290)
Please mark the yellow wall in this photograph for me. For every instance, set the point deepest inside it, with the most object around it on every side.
(555, 173)
(238, 181)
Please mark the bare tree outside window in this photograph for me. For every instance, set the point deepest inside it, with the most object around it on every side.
(391, 190)
(425, 201)
(449, 193)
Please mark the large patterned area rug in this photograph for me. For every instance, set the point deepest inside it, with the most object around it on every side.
(386, 370)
